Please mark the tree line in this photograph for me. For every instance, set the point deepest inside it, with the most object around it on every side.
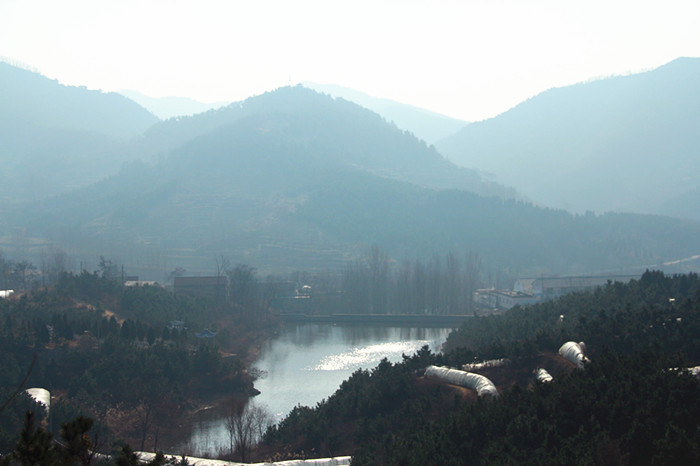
(374, 284)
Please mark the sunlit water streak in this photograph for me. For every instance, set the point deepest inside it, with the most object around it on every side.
(307, 363)
(361, 357)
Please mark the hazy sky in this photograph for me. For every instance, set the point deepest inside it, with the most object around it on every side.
(467, 59)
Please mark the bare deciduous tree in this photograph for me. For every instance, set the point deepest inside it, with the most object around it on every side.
(246, 424)
(223, 265)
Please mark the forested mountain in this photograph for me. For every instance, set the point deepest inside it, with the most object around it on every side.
(303, 183)
(627, 143)
(424, 124)
(343, 131)
(294, 179)
(55, 137)
(29, 97)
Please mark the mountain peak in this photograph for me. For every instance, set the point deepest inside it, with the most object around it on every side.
(626, 143)
(31, 97)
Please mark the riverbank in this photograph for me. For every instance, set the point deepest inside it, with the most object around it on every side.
(306, 363)
(171, 429)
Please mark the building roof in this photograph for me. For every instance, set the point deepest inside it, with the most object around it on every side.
(206, 333)
(140, 283)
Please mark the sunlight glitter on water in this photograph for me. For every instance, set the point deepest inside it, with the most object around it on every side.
(307, 363)
(366, 356)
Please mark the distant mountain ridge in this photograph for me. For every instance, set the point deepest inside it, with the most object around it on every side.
(54, 137)
(626, 143)
(351, 132)
(170, 107)
(295, 180)
(424, 124)
(32, 98)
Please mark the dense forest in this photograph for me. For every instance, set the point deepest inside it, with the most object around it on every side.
(127, 356)
(631, 404)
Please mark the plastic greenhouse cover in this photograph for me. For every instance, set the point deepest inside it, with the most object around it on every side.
(336, 461)
(543, 375)
(483, 364)
(40, 395)
(573, 352)
(481, 384)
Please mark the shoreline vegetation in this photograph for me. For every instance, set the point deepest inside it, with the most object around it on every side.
(641, 413)
(623, 407)
(131, 358)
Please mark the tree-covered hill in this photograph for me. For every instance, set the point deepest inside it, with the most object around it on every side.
(338, 129)
(293, 179)
(54, 138)
(29, 97)
(628, 405)
(627, 143)
(114, 353)
(291, 193)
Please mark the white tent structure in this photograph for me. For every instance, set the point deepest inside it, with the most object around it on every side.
(482, 385)
(41, 396)
(543, 376)
(484, 364)
(694, 371)
(573, 352)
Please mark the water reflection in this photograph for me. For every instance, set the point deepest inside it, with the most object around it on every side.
(307, 363)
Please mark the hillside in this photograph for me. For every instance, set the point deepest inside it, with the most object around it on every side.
(112, 352)
(344, 130)
(627, 143)
(32, 98)
(309, 182)
(54, 138)
(624, 406)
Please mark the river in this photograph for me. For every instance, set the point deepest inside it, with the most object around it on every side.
(306, 363)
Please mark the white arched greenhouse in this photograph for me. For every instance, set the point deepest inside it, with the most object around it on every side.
(573, 352)
(482, 385)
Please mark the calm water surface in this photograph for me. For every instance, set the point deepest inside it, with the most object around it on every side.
(307, 363)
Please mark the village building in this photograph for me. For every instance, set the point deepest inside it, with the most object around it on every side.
(206, 334)
(502, 299)
(141, 283)
(533, 290)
